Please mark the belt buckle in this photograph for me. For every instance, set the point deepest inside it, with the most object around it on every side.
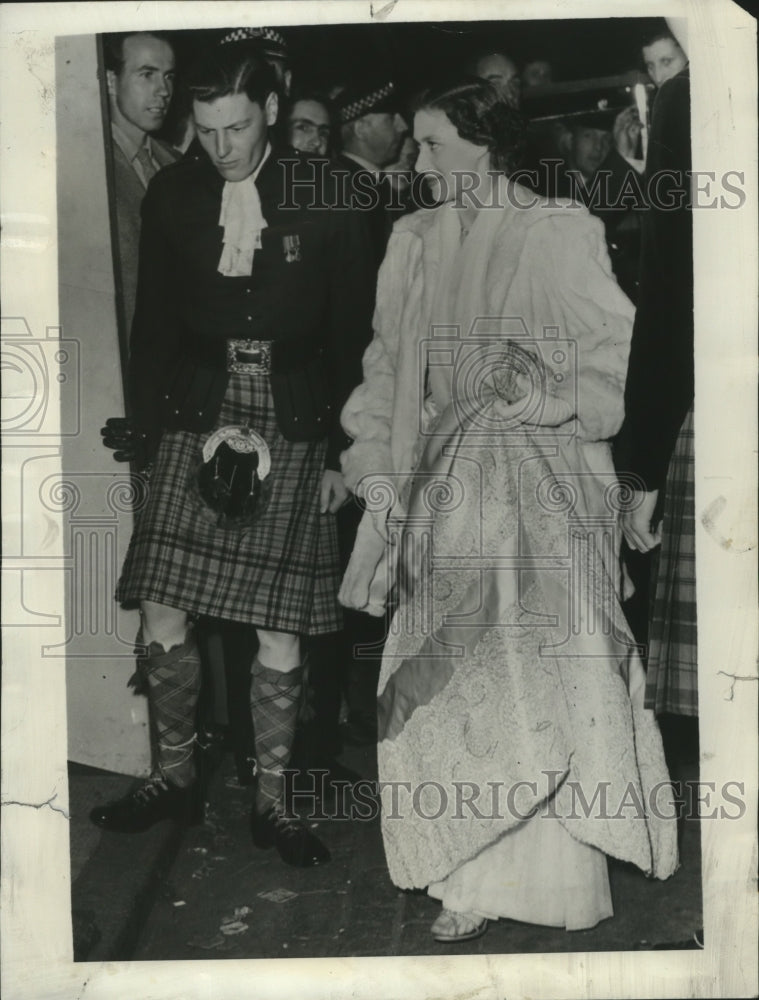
(249, 357)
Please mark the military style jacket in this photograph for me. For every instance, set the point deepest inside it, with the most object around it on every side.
(310, 294)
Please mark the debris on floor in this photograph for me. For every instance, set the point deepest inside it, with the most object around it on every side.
(278, 895)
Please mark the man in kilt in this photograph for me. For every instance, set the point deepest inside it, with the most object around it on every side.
(253, 311)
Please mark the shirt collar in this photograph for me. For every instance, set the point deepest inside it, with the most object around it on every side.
(264, 158)
(128, 146)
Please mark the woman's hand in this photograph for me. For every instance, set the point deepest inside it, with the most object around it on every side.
(637, 526)
(334, 492)
(626, 132)
(548, 411)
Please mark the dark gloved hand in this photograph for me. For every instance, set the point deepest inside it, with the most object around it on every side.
(128, 444)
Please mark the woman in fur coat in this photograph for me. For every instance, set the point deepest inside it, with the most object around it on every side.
(514, 748)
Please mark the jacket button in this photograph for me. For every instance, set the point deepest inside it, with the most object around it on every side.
(200, 413)
(249, 319)
(176, 413)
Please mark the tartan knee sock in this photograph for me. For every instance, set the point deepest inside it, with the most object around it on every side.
(174, 685)
(274, 704)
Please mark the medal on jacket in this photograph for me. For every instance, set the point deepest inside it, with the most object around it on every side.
(291, 246)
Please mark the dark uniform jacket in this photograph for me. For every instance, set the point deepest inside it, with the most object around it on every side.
(310, 294)
(659, 388)
(372, 196)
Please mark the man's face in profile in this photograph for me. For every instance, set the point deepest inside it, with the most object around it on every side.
(383, 132)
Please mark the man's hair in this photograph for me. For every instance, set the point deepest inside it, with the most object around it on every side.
(480, 116)
(234, 68)
(113, 47)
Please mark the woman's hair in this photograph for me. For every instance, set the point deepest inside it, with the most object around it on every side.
(480, 116)
(654, 30)
(232, 68)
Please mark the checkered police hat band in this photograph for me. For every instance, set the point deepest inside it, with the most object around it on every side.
(364, 105)
(257, 34)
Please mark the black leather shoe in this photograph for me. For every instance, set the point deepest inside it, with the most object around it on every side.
(153, 801)
(295, 844)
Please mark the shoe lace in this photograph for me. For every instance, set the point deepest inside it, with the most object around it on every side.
(284, 822)
(151, 789)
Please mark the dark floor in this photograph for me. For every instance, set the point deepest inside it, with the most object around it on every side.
(205, 892)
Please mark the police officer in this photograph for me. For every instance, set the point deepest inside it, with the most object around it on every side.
(372, 129)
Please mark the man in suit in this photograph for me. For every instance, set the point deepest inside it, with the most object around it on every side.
(140, 83)
(252, 315)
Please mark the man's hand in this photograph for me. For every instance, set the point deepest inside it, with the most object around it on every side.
(626, 132)
(637, 528)
(334, 492)
(127, 443)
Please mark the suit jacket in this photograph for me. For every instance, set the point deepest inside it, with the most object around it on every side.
(372, 196)
(321, 295)
(129, 192)
(659, 388)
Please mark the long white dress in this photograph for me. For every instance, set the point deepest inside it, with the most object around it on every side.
(492, 386)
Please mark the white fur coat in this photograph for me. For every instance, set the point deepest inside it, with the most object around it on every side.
(542, 269)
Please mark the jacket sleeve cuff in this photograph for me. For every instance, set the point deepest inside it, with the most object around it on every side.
(337, 443)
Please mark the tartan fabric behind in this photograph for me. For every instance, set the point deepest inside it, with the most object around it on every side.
(280, 574)
(672, 677)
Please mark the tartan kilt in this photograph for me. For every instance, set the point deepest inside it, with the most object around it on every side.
(672, 674)
(280, 573)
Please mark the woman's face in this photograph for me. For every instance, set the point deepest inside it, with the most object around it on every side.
(448, 160)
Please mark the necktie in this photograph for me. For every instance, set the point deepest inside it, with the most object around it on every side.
(148, 167)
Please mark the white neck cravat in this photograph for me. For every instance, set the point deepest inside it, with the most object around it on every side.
(243, 222)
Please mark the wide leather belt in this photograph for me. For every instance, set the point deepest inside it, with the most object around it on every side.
(249, 357)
